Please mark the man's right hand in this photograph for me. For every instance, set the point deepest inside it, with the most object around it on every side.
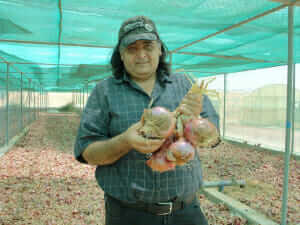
(138, 142)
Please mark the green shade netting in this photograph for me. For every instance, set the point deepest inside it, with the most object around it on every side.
(66, 45)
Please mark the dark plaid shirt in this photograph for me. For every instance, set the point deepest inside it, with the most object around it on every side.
(113, 106)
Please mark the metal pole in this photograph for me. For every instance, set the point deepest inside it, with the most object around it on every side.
(293, 108)
(82, 93)
(79, 98)
(87, 91)
(288, 114)
(29, 101)
(40, 100)
(21, 120)
(47, 101)
(83, 97)
(43, 100)
(7, 105)
(34, 102)
(224, 107)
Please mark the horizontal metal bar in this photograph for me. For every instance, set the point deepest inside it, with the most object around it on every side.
(229, 57)
(55, 43)
(253, 216)
(207, 184)
(232, 27)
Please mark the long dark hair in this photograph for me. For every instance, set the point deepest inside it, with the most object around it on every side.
(118, 68)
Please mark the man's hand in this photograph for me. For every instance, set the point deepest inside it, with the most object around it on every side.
(138, 142)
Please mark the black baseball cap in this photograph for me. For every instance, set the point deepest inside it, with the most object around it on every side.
(137, 28)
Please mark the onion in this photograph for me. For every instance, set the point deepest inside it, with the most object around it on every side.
(182, 151)
(201, 133)
(158, 161)
(157, 122)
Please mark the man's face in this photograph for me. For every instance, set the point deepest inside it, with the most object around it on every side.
(141, 59)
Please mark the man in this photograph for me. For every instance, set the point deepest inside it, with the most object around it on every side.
(108, 136)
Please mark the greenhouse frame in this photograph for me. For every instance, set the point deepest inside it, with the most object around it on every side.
(65, 47)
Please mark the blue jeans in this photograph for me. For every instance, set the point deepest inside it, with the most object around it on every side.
(117, 214)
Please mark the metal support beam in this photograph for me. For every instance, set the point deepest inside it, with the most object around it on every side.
(7, 105)
(288, 113)
(83, 96)
(29, 100)
(222, 183)
(252, 216)
(22, 114)
(47, 101)
(40, 100)
(80, 98)
(54, 43)
(232, 27)
(34, 103)
(293, 108)
(224, 106)
(230, 57)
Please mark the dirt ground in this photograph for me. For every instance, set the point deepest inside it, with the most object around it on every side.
(42, 183)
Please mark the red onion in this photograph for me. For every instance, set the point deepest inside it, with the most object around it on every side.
(181, 151)
(158, 122)
(201, 133)
(158, 161)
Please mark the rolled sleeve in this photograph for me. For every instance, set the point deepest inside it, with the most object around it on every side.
(93, 124)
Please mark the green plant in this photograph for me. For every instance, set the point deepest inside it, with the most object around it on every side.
(70, 107)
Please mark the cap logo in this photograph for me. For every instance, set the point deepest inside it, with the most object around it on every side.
(133, 26)
(148, 27)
